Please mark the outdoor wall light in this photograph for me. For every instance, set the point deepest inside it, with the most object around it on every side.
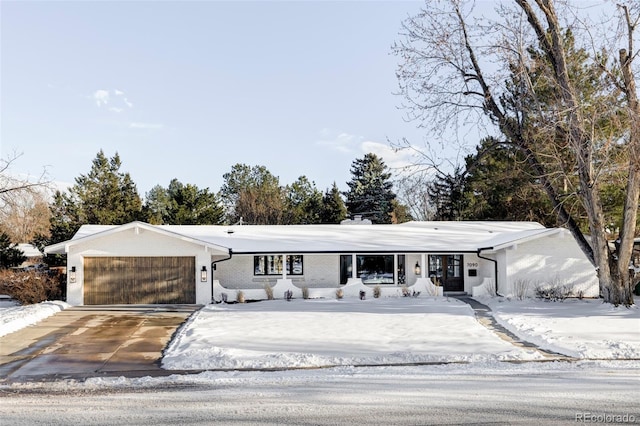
(203, 274)
(72, 274)
(417, 269)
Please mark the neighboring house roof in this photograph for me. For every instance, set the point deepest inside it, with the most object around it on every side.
(406, 237)
(29, 250)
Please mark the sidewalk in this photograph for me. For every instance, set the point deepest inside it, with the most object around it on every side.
(486, 319)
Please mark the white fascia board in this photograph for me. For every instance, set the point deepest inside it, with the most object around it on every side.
(525, 238)
(103, 231)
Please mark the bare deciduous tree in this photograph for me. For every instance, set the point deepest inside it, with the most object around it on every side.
(524, 75)
(23, 207)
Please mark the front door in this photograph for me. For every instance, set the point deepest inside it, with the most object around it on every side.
(447, 270)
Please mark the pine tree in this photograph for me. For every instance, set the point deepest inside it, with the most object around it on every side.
(10, 255)
(370, 189)
(333, 208)
(303, 202)
(104, 196)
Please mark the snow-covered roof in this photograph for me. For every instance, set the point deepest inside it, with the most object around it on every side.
(89, 232)
(406, 237)
(29, 250)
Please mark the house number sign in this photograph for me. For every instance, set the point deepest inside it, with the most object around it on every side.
(472, 264)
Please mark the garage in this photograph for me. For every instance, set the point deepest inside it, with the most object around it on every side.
(139, 280)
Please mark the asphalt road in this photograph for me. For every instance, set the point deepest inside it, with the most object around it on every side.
(536, 394)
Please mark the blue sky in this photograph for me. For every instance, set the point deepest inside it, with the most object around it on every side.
(187, 89)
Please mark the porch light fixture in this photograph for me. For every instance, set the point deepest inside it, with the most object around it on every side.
(203, 274)
(72, 274)
(417, 269)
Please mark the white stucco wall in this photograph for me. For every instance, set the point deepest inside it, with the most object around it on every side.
(555, 260)
(141, 243)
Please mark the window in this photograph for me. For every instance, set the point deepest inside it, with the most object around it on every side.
(375, 269)
(345, 268)
(272, 265)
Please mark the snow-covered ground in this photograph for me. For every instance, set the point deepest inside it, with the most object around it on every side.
(320, 332)
(393, 330)
(579, 328)
(13, 317)
(329, 332)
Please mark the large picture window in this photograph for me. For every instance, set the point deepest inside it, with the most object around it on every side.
(272, 265)
(375, 269)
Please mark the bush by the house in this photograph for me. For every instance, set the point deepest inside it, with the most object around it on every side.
(28, 287)
(377, 291)
(339, 293)
(269, 290)
(521, 288)
(240, 297)
(405, 291)
(305, 293)
(553, 292)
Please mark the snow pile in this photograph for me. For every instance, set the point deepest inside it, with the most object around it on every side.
(588, 329)
(14, 318)
(316, 333)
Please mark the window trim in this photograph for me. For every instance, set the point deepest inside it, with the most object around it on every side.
(289, 265)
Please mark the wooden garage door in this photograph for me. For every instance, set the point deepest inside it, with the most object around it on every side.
(139, 280)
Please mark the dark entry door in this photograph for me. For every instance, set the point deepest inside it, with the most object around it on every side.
(447, 269)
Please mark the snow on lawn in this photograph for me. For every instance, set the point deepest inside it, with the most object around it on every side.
(313, 333)
(579, 328)
(13, 318)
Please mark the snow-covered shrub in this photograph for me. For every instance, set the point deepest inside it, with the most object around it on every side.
(269, 290)
(240, 297)
(377, 291)
(339, 293)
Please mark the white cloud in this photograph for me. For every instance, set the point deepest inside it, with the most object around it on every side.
(118, 103)
(343, 142)
(151, 126)
(356, 145)
(394, 159)
(101, 97)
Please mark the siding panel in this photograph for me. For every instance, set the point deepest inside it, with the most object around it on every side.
(139, 280)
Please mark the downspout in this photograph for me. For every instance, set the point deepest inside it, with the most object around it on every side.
(495, 265)
(213, 268)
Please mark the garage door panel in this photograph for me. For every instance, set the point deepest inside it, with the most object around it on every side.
(139, 280)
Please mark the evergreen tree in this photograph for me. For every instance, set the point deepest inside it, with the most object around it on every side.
(499, 186)
(370, 189)
(303, 202)
(333, 208)
(447, 193)
(181, 204)
(157, 206)
(10, 255)
(104, 196)
(189, 205)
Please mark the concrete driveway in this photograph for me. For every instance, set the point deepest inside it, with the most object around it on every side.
(91, 341)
